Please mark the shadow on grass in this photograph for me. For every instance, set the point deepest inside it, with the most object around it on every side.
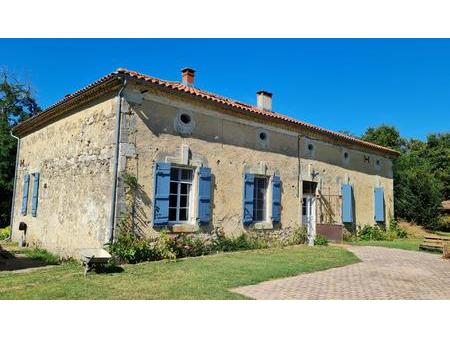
(108, 269)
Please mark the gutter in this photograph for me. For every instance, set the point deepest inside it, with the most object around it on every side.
(112, 219)
(11, 218)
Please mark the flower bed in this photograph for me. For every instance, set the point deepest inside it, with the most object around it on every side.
(130, 249)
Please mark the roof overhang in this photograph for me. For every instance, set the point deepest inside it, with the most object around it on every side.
(113, 80)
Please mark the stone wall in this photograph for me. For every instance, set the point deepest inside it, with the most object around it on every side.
(74, 158)
(231, 146)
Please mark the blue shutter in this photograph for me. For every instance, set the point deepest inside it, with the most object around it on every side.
(26, 186)
(249, 186)
(379, 204)
(35, 197)
(276, 199)
(161, 194)
(204, 195)
(347, 203)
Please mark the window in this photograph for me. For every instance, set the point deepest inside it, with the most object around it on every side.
(180, 194)
(259, 199)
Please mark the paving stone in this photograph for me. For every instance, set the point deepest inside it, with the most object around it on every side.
(383, 274)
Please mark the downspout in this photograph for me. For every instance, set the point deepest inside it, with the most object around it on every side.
(11, 217)
(112, 220)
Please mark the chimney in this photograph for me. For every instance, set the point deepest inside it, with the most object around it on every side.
(187, 76)
(264, 100)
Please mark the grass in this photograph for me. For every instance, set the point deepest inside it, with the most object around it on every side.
(208, 277)
(41, 255)
(405, 244)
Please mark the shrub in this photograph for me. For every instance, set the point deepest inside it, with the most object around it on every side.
(130, 249)
(395, 231)
(320, 240)
(376, 233)
(371, 233)
(4, 233)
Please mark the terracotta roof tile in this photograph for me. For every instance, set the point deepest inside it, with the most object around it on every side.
(177, 86)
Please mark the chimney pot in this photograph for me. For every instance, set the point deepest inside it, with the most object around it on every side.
(264, 100)
(187, 76)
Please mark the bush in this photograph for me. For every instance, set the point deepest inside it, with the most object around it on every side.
(376, 233)
(130, 249)
(371, 233)
(320, 240)
(4, 233)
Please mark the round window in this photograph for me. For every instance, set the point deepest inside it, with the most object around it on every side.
(346, 155)
(185, 118)
(310, 147)
(262, 136)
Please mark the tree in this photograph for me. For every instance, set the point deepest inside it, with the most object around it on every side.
(421, 174)
(384, 135)
(16, 104)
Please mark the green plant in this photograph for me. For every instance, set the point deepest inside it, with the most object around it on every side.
(320, 240)
(395, 231)
(347, 236)
(371, 233)
(4, 233)
(42, 255)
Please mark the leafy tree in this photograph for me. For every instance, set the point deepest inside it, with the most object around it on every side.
(384, 135)
(421, 174)
(16, 104)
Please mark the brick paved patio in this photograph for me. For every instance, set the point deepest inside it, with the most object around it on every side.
(383, 274)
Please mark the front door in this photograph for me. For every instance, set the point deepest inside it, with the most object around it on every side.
(308, 211)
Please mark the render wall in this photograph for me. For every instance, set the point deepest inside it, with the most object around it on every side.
(230, 147)
(74, 158)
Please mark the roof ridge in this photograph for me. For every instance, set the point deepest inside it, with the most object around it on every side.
(175, 85)
(258, 110)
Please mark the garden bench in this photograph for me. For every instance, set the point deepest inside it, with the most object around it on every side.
(435, 243)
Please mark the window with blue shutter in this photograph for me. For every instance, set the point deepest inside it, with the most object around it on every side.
(249, 185)
(26, 187)
(276, 199)
(161, 194)
(35, 196)
(379, 204)
(347, 203)
(204, 195)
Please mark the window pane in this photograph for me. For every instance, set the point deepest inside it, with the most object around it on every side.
(186, 174)
(259, 199)
(183, 214)
(173, 201)
(172, 214)
(173, 187)
(174, 174)
(184, 188)
(183, 201)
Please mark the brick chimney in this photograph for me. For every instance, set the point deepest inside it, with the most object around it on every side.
(187, 76)
(264, 100)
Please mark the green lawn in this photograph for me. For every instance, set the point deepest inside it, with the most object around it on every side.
(207, 277)
(405, 244)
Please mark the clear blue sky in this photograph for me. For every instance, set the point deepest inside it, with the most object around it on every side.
(340, 84)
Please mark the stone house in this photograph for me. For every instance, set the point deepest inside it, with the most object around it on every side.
(197, 160)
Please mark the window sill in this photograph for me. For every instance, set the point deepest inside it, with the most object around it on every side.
(262, 225)
(183, 228)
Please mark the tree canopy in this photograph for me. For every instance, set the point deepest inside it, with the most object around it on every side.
(16, 104)
(421, 174)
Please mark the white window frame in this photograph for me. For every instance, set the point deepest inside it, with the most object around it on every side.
(190, 194)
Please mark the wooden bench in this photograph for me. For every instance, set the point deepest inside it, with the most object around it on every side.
(435, 243)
